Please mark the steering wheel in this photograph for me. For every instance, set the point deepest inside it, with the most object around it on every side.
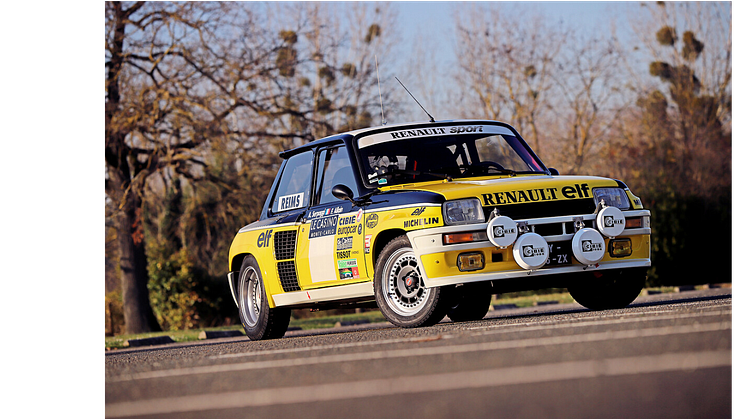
(483, 167)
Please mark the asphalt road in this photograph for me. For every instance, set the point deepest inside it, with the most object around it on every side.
(665, 356)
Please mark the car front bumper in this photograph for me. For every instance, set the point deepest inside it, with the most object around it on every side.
(438, 260)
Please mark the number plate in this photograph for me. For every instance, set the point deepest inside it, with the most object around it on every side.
(560, 253)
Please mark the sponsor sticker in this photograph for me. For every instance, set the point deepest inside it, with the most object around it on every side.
(577, 191)
(348, 269)
(418, 211)
(371, 221)
(344, 243)
(263, 239)
(325, 226)
(419, 222)
(324, 212)
(367, 242)
(289, 202)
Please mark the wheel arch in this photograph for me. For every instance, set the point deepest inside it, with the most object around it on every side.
(382, 239)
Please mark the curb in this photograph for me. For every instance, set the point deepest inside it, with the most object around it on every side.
(158, 340)
(217, 334)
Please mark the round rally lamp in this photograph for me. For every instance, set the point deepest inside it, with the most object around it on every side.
(588, 246)
(610, 221)
(502, 231)
(531, 251)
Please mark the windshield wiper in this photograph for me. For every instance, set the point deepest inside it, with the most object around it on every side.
(389, 172)
(502, 171)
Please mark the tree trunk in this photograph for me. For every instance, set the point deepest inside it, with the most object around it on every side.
(138, 315)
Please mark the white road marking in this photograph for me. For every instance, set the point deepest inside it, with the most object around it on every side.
(685, 361)
(427, 351)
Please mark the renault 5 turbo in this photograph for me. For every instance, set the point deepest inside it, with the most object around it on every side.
(427, 220)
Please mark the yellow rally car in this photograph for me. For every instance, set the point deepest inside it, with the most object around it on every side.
(428, 220)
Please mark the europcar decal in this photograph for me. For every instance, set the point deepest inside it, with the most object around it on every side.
(577, 191)
(348, 224)
(289, 202)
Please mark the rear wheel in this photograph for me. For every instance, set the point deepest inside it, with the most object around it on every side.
(400, 291)
(470, 302)
(603, 290)
(259, 321)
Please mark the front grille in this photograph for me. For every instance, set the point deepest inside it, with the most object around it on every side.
(543, 209)
(288, 277)
(285, 245)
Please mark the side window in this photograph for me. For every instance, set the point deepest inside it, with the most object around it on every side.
(334, 168)
(294, 188)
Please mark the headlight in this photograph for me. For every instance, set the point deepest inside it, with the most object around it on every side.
(614, 197)
(463, 211)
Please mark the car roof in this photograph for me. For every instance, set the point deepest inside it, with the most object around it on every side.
(346, 136)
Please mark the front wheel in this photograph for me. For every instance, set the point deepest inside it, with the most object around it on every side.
(259, 321)
(400, 291)
(604, 290)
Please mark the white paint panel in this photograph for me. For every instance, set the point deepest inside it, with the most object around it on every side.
(321, 259)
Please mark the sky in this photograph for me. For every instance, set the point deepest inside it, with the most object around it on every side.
(432, 23)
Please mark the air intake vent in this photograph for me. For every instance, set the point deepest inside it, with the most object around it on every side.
(288, 277)
(285, 244)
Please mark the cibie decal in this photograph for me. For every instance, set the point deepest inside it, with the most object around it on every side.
(530, 251)
(289, 202)
(589, 246)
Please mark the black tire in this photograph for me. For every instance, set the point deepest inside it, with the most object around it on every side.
(604, 290)
(400, 291)
(470, 302)
(259, 321)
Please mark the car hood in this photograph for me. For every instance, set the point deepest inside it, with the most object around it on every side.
(518, 189)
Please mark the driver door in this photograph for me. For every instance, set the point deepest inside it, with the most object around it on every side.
(332, 236)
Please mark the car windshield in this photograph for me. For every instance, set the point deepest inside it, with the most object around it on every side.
(416, 155)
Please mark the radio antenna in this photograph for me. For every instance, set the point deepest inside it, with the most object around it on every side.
(415, 99)
(383, 119)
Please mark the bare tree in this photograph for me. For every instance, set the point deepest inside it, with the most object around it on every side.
(506, 69)
(591, 99)
(688, 46)
(209, 92)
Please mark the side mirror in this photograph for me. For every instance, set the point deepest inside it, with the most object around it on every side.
(342, 192)
(553, 171)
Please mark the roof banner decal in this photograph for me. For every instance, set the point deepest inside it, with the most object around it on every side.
(423, 132)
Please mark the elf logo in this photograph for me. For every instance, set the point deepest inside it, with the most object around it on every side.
(263, 240)
(418, 211)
